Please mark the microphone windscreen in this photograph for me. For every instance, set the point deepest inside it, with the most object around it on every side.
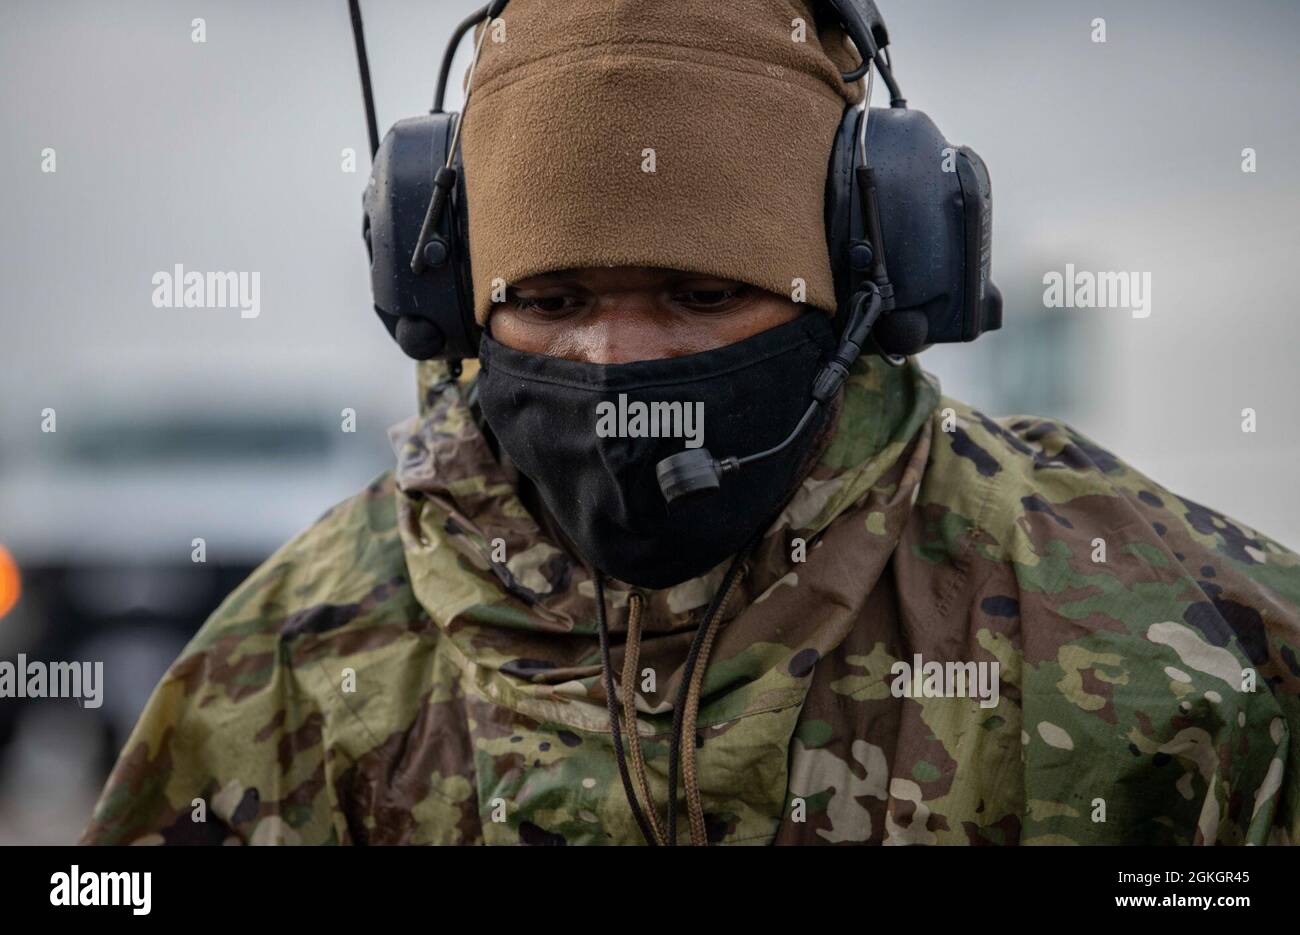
(901, 332)
(419, 338)
(687, 474)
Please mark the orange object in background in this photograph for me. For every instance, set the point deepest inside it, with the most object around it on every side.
(10, 584)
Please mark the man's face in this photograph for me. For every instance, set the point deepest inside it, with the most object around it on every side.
(622, 314)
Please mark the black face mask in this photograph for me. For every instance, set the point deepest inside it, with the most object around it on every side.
(547, 413)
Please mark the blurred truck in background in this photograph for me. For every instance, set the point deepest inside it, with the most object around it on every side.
(125, 528)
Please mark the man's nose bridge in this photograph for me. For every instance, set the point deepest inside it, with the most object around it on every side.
(626, 305)
(619, 331)
(610, 344)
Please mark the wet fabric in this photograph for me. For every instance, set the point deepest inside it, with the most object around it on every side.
(422, 665)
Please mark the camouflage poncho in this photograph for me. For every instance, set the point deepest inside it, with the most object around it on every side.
(421, 666)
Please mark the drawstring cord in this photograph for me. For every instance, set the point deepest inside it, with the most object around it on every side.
(631, 656)
(685, 714)
(702, 635)
(611, 703)
(694, 808)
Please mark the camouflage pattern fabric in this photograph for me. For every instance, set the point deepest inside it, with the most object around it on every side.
(421, 666)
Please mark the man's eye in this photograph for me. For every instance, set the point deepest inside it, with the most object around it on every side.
(546, 305)
(707, 298)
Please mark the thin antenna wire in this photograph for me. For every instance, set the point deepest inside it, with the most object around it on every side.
(469, 85)
(363, 62)
(866, 115)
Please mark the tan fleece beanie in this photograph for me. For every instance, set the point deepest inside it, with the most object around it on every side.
(680, 134)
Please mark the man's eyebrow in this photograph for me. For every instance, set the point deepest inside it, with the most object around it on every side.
(705, 277)
(546, 279)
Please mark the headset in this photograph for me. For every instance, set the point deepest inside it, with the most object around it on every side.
(908, 229)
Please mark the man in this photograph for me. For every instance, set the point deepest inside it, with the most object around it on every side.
(914, 624)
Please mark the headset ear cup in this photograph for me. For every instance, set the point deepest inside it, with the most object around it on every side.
(430, 313)
(419, 338)
(901, 333)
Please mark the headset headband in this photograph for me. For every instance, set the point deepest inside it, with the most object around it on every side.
(860, 19)
(923, 201)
